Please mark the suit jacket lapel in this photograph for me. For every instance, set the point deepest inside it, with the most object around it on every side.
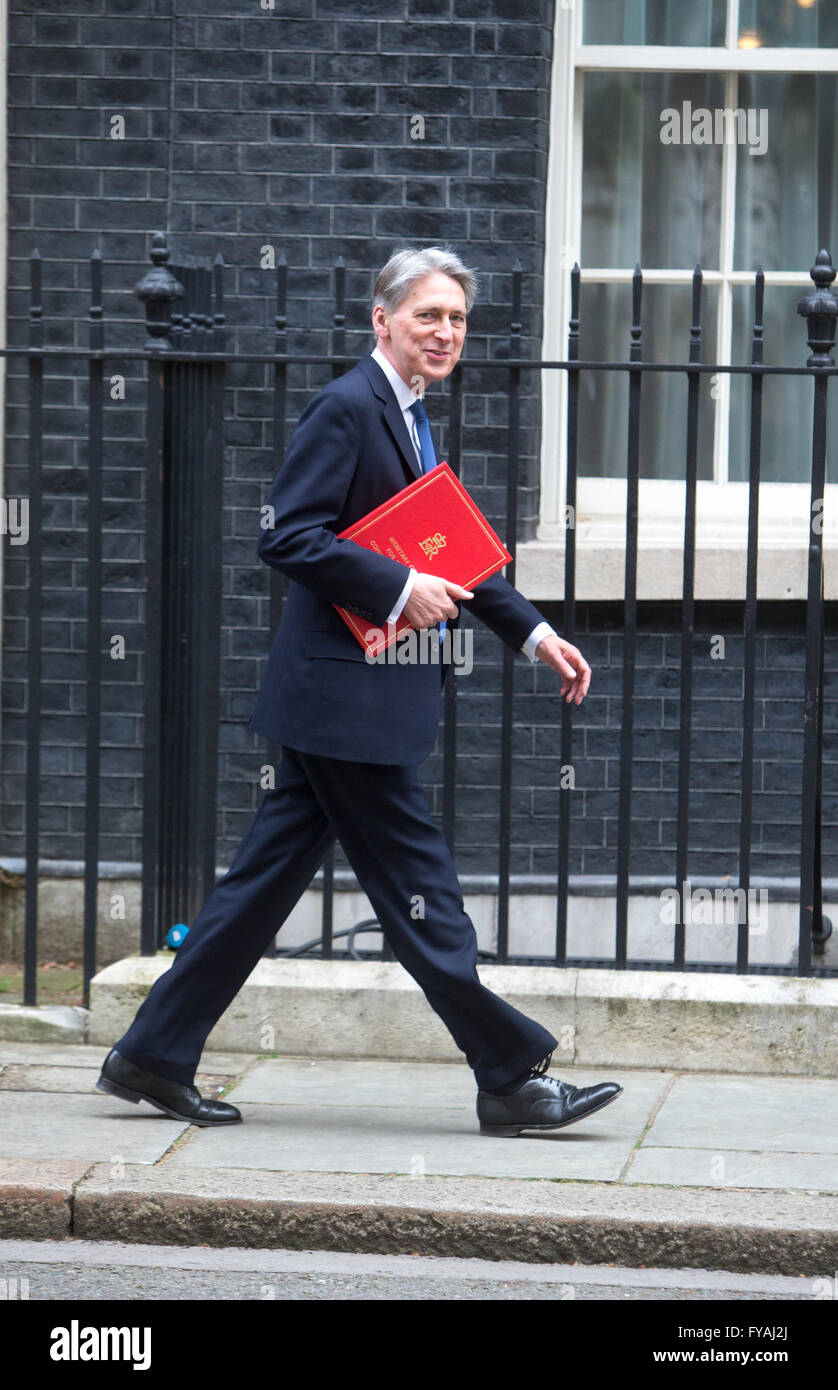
(391, 413)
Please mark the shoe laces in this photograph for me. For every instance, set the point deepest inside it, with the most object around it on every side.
(541, 1067)
(563, 1088)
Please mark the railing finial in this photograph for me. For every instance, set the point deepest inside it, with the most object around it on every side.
(158, 291)
(820, 309)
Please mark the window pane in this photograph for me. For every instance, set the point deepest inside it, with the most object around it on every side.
(643, 200)
(788, 24)
(786, 401)
(700, 23)
(787, 198)
(605, 321)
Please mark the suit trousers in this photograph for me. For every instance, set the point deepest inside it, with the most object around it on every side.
(380, 814)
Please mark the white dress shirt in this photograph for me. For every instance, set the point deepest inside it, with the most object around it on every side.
(406, 398)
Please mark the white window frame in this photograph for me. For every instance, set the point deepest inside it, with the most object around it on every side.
(721, 505)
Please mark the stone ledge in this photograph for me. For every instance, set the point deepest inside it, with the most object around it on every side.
(763, 1025)
(59, 1023)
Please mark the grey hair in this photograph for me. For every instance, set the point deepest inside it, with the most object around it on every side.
(405, 267)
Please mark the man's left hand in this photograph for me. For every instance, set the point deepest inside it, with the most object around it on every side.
(570, 664)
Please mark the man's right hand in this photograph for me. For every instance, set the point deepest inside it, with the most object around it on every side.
(430, 600)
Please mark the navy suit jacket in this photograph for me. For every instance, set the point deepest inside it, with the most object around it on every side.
(351, 451)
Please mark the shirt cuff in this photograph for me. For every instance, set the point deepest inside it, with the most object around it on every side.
(395, 612)
(542, 630)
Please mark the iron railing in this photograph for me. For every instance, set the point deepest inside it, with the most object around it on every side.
(186, 359)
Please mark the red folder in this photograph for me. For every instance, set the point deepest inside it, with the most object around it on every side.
(434, 526)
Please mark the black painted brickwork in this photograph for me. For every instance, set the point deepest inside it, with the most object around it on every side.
(243, 128)
(246, 128)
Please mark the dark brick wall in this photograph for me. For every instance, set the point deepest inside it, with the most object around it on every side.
(243, 128)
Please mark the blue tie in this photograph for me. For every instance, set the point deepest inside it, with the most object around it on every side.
(428, 453)
(423, 429)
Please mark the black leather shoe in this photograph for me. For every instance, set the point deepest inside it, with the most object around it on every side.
(122, 1078)
(542, 1102)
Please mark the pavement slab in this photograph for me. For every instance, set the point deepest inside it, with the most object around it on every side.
(786, 1114)
(381, 1117)
(734, 1168)
(692, 1170)
(59, 1126)
(421, 1140)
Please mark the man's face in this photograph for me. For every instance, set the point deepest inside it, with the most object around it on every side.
(424, 337)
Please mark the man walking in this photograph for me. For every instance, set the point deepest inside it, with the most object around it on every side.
(353, 733)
